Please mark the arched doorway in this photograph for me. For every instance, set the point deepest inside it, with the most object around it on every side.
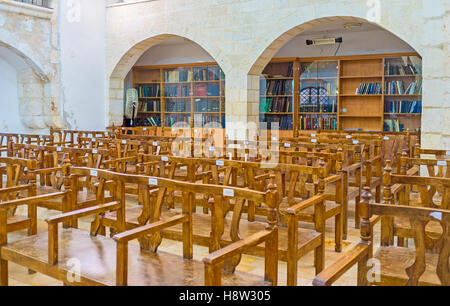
(177, 80)
(27, 104)
(340, 73)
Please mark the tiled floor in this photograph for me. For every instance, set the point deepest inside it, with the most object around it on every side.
(19, 276)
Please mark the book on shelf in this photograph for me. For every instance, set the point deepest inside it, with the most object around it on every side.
(178, 106)
(171, 119)
(397, 88)
(210, 73)
(369, 89)
(204, 105)
(208, 119)
(149, 106)
(175, 76)
(204, 90)
(313, 122)
(275, 104)
(398, 69)
(277, 87)
(149, 91)
(392, 125)
(403, 107)
(154, 121)
(177, 90)
(284, 121)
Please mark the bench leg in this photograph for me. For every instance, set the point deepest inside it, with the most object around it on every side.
(319, 257)
(3, 272)
(338, 232)
(357, 214)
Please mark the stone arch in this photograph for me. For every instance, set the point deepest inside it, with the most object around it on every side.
(124, 65)
(275, 42)
(35, 105)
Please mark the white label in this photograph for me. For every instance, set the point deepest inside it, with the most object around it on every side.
(442, 163)
(313, 135)
(246, 157)
(124, 142)
(287, 145)
(123, 129)
(228, 192)
(349, 137)
(344, 110)
(155, 144)
(195, 131)
(94, 151)
(386, 138)
(355, 142)
(212, 149)
(58, 149)
(274, 138)
(164, 158)
(313, 140)
(94, 173)
(230, 156)
(153, 181)
(220, 163)
(144, 129)
(436, 215)
(447, 153)
(246, 143)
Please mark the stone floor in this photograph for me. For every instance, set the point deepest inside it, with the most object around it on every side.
(19, 276)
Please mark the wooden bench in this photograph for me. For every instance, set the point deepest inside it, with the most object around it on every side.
(53, 249)
(398, 265)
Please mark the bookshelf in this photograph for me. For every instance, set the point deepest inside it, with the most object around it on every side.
(367, 92)
(191, 95)
(402, 93)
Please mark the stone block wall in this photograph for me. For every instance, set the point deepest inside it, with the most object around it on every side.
(243, 36)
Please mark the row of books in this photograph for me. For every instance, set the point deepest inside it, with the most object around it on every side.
(207, 73)
(397, 88)
(174, 76)
(207, 105)
(151, 106)
(403, 107)
(284, 121)
(313, 122)
(369, 89)
(204, 90)
(178, 106)
(392, 125)
(278, 104)
(154, 121)
(149, 91)
(177, 90)
(276, 87)
(177, 118)
(397, 69)
(210, 120)
(328, 106)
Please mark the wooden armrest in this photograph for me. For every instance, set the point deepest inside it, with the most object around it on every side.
(14, 189)
(262, 177)
(328, 276)
(34, 199)
(413, 171)
(332, 179)
(237, 247)
(297, 208)
(47, 170)
(83, 212)
(149, 229)
(352, 167)
(397, 188)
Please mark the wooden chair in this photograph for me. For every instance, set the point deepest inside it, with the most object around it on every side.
(398, 266)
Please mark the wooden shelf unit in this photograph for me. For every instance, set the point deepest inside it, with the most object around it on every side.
(353, 110)
(193, 94)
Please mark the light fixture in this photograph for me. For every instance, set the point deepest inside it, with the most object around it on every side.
(324, 41)
(351, 25)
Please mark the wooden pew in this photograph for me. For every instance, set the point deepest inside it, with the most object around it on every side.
(398, 265)
(55, 247)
